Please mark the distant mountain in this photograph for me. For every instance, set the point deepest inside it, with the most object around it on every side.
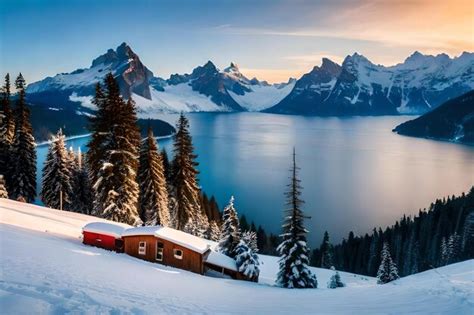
(359, 87)
(132, 76)
(206, 88)
(453, 121)
(209, 89)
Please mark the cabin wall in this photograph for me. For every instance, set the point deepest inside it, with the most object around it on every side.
(191, 261)
(99, 240)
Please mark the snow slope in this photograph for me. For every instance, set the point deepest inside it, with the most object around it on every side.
(45, 269)
(262, 96)
(175, 99)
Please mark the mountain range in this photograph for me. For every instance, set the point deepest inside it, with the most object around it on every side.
(356, 87)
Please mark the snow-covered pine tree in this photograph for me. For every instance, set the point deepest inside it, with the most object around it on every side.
(326, 252)
(100, 126)
(444, 252)
(246, 260)
(72, 161)
(335, 280)
(214, 231)
(56, 190)
(22, 169)
(185, 190)
(82, 197)
(166, 165)
(294, 253)
(114, 156)
(124, 157)
(153, 200)
(453, 248)
(388, 270)
(250, 238)
(230, 229)
(3, 188)
(9, 119)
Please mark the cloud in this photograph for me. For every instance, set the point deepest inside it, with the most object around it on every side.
(433, 26)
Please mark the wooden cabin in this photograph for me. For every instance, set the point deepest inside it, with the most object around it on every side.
(103, 235)
(166, 246)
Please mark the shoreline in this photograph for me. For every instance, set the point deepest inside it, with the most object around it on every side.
(43, 143)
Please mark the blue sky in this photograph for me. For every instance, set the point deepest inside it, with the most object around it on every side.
(269, 39)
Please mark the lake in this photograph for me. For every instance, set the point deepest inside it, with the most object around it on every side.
(356, 173)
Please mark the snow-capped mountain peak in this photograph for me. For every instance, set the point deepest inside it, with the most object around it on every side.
(357, 87)
(232, 68)
(361, 87)
(123, 63)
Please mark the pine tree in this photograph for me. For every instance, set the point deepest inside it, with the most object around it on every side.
(81, 199)
(294, 253)
(335, 280)
(468, 236)
(214, 232)
(453, 248)
(230, 229)
(415, 258)
(56, 188)
(100, 125)
(250, 238)
(388, 270)
(3, 189)
(198, 224)
(22, 169)
(113, 155)
(7, 127)
(153, 189)
(166, 166)
(247, 261)
(444, 252)
(326, 252)
(186, 210)
(9, 119)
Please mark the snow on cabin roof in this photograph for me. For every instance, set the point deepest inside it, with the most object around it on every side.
(189, 241)
(141, 230)
(221, 260)
(104, 228)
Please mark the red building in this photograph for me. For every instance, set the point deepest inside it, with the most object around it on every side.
(103, 235)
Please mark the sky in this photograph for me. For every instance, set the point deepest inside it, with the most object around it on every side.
(272, 40)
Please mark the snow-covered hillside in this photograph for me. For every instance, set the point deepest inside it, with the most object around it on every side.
(263, 96)
(45, 269)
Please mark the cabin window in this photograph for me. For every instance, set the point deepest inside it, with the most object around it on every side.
(142, 248)
(178, 253)
(159, 251)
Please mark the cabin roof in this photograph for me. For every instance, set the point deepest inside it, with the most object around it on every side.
(221, 260)
(186, 240)
(114, 230)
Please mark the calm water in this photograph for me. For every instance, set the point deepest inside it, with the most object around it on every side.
(356, 173)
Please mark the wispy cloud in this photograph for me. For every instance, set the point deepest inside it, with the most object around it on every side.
(431, 26)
